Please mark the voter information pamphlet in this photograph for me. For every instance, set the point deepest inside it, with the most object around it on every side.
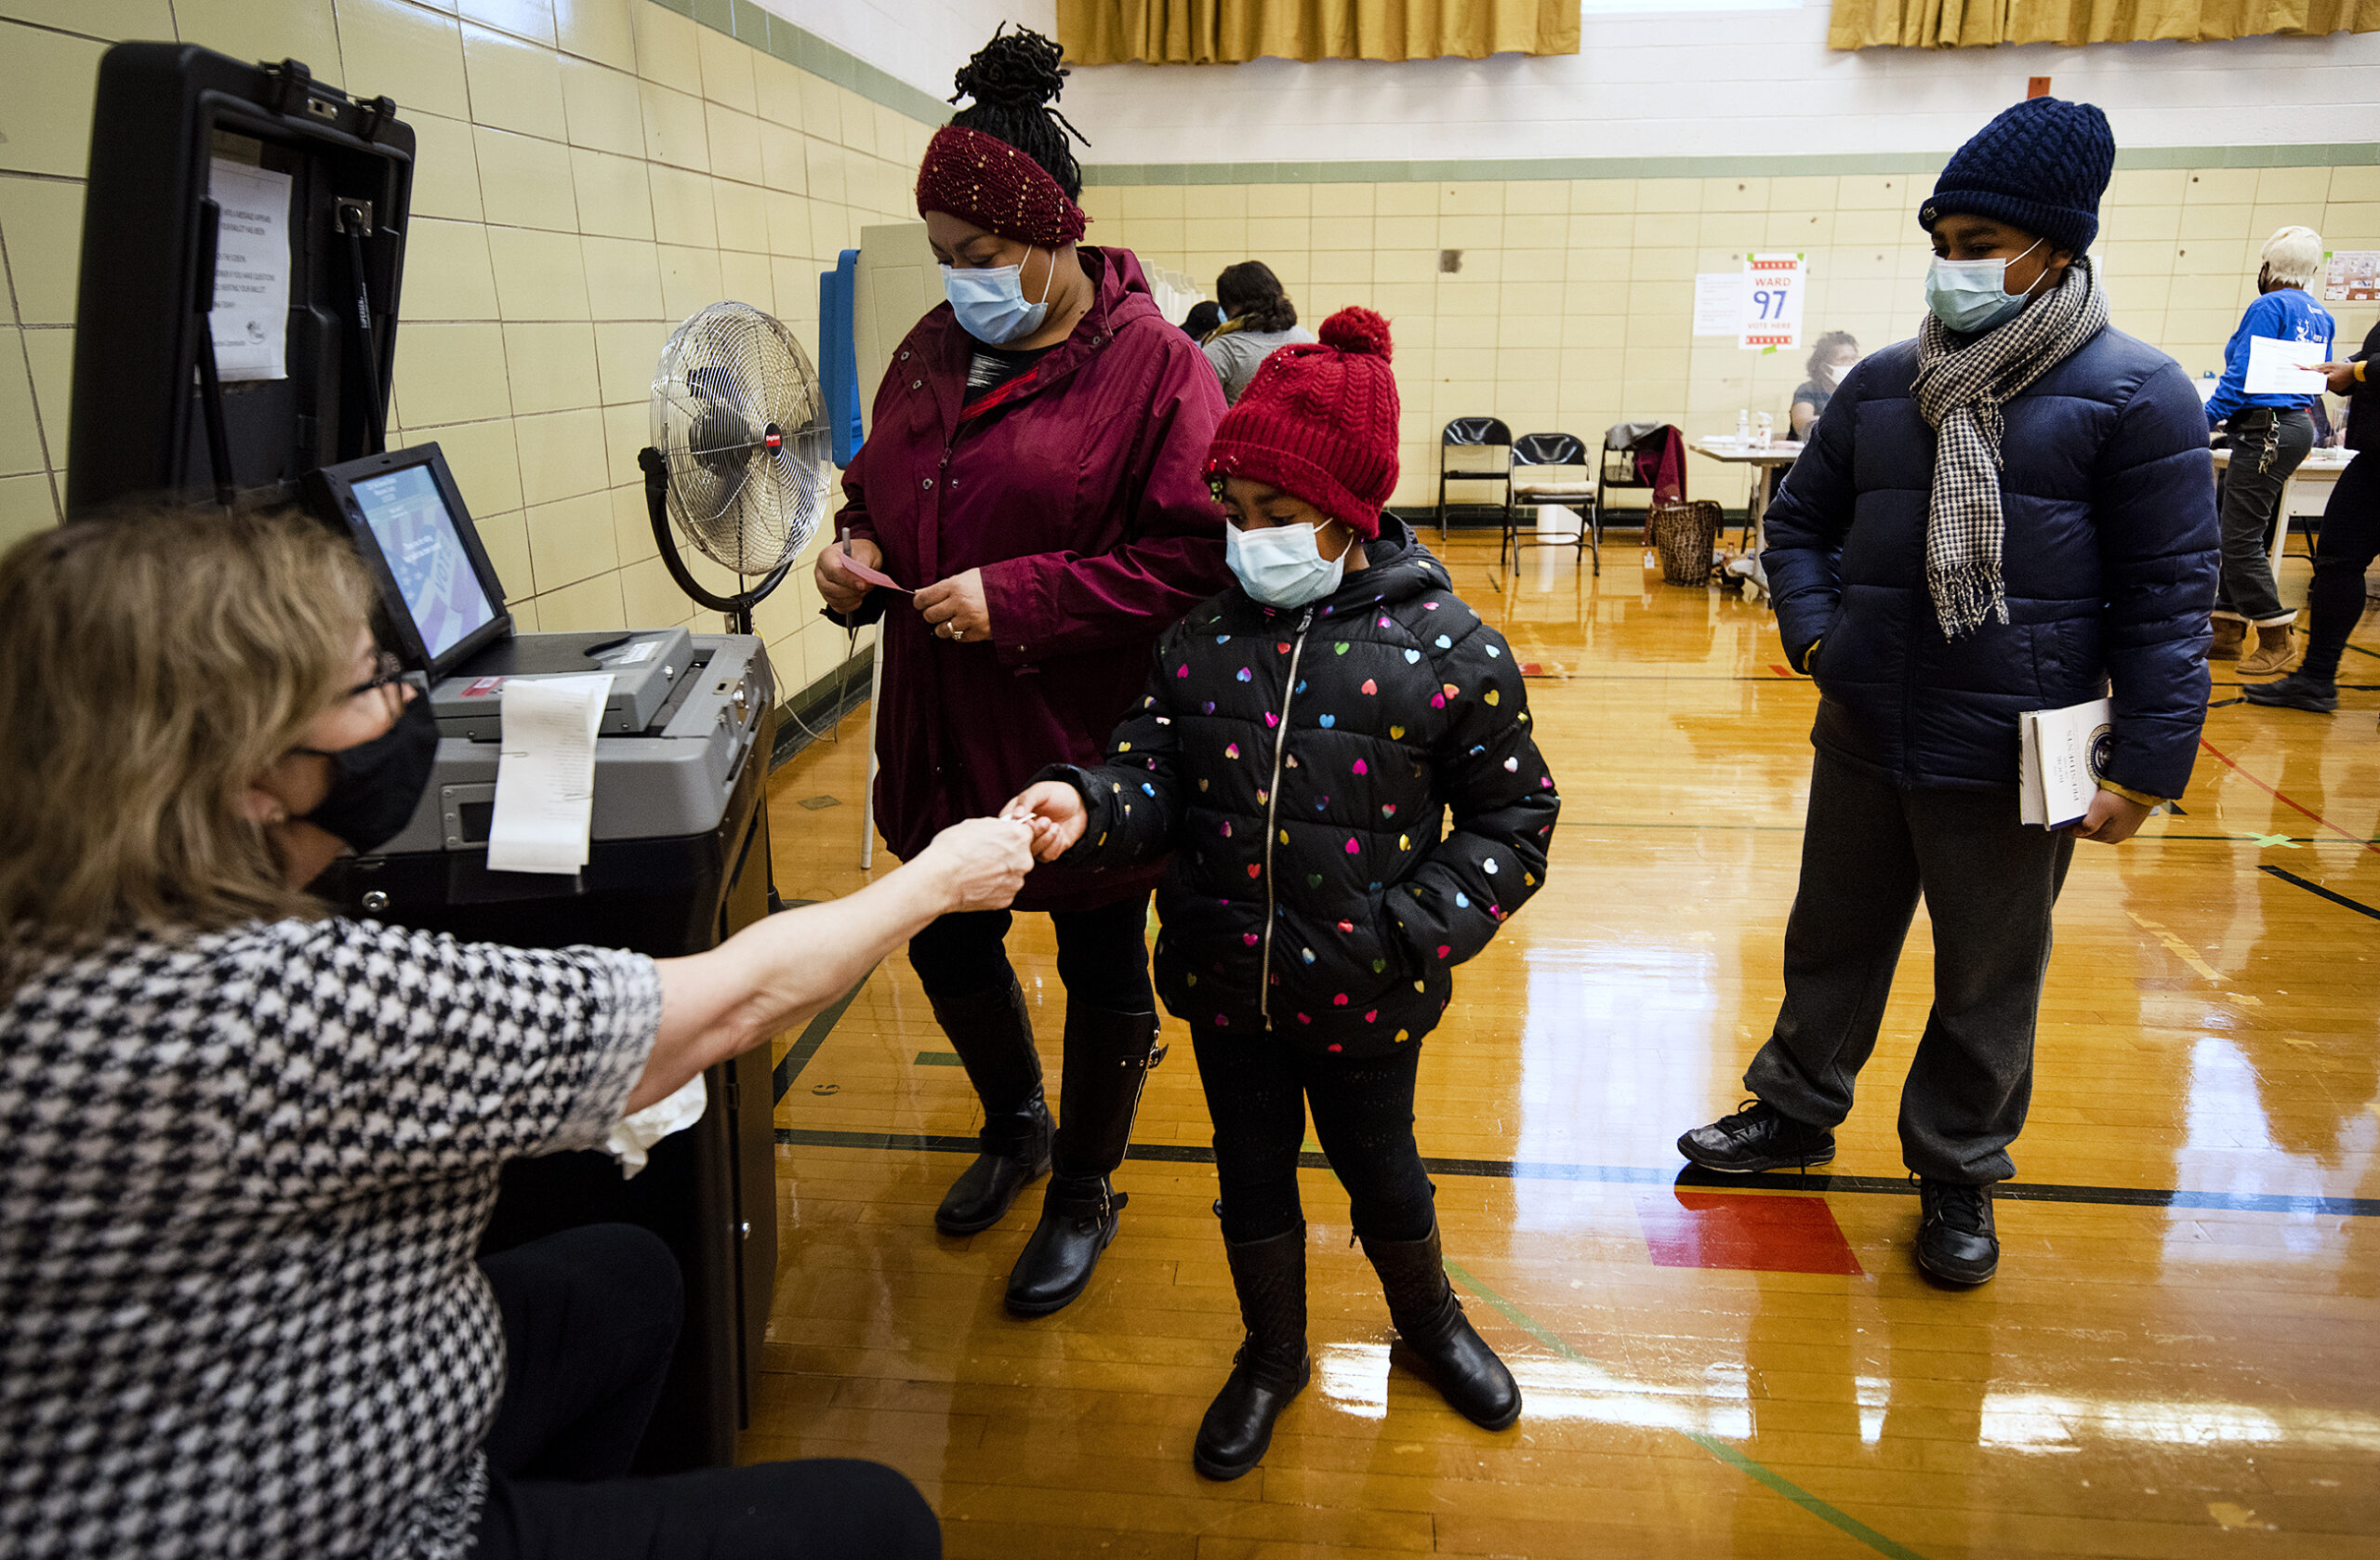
(2061, 754)
(2278, 367)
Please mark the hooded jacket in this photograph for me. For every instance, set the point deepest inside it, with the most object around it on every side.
(1076, 489)
(1302, 764)
(2107, 494)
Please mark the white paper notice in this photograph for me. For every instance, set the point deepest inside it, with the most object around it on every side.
(545, 772)
(1772, 310)
(1718, 302)
(2278, 367)
(251, 318)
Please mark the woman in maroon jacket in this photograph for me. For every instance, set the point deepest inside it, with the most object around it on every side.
(1033, 470)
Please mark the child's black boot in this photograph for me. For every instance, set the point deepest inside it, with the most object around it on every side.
(1272, 1366)
(1430, 1321)
(992, 1031)
(1108, 1058)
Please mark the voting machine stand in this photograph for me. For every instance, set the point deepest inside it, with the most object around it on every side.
(243, 254)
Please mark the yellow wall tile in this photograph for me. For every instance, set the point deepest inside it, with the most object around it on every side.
(412, 55)
(50, 354)
(451, 373)
(42, 223)
(533, 19)
(669, 47)
(649, 595)
(789, 225)
(627, 428)
(2355, 184)
(562, 454)
(632, 535)
(486, 467)
(689, 279)
(784, 164)
(826, 170)
(515, 86)
(52, 80)
(98, 18)
(525, 181)
(21, 444)
(601, 108)
(822, 109)
(748, 278)
(445, 169)
(727, 69)
(506, 536)
(674, 128)
(447, 273)
(571, 540)
(734, 141)
(777, 91)
(615, 195)
(682, 208)
(858, 130)
(539, 275)
(622, 279)
(260, 29)
(597, 30)
(1485, 199)
(2220, 186)
(27, 505)
(588, 607)
(627, 352)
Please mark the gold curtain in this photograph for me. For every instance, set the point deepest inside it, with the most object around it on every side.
(1981, 23)
(1226, 32)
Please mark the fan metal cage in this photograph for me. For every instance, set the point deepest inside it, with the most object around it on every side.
(740, 421)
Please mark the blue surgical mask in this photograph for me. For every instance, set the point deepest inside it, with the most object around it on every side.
(1282, 565)
(1969, 296)
(990, 302)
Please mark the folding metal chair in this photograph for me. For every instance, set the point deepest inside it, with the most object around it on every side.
(1537, 457)
(1479, 438)
(1616, 467)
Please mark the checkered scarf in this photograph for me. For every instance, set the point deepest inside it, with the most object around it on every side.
(1960, 391)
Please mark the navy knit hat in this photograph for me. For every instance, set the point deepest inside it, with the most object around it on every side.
(2041, 165)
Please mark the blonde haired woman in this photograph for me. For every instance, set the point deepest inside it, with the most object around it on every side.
(2270, 433)
(251, 1147)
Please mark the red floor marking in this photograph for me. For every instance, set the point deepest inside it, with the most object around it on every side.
(1748, 1231)
(2284, 800)
(1782, 671)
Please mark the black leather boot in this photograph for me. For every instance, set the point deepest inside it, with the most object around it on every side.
(1430, 1322)
(1956, 1240)
(1272, 1365)
(1108, 1058)
(992, 1031)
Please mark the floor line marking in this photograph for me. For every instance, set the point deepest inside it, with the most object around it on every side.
(1686, 1175)
(2284, 800)
(1832, 1515)
(2191, 957)
(812, 1036)
(2358, 907)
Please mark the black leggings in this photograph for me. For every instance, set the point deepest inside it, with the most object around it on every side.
(2350, 540)
(590, 1316)
(1102, 955)
(1257, 1091)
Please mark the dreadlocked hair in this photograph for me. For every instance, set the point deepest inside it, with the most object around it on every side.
(1015, 80)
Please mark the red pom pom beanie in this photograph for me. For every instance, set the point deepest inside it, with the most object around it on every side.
(990, 183)
(1319, 422)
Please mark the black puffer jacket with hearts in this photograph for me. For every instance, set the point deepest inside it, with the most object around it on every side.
(1302, 764)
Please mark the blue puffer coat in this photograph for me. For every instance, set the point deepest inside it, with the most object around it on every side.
(2110, 564)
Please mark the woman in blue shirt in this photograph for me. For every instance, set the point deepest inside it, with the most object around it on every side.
(2270, 433)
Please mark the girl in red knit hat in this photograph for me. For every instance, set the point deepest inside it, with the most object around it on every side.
(1033, 472)
(1302, 740)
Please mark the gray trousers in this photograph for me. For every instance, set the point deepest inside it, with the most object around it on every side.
(2265, 447)
(1868, 849)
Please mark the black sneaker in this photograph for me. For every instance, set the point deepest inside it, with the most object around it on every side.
(2296, 691)
(1955, 1240)
(1757, 1138)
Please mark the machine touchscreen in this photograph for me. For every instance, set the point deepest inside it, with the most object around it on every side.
(441, 596)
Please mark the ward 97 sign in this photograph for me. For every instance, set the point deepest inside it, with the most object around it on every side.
(1772, 301)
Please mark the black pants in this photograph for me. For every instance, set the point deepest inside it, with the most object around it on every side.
(1870, 848)
(590, 1316)
(1102, 955)
(2265, 447)
(2351, 540)
(1257, 1091)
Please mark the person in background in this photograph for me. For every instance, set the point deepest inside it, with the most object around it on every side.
(2270, 433)
(2009, 513)
(2348, 543)
(1830, 361)
(1032, 471)
(1204, 316)
(1257, 317)
(252, 1146)
(1303, 741)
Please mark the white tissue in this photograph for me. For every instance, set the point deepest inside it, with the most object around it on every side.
(635, 1134)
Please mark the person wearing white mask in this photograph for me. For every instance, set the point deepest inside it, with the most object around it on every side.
(2013, 512)
(1032, 474)
(1830, 360)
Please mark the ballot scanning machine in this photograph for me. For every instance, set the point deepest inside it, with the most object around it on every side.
(242, 251)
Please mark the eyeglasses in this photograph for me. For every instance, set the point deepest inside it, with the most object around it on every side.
(386, 670)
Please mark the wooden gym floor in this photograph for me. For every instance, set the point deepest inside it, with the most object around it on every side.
(2180, 1357)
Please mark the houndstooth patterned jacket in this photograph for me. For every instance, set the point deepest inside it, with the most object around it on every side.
(241, 1177)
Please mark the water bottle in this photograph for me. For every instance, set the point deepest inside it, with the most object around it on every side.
(1764, 433)
(1743, 428)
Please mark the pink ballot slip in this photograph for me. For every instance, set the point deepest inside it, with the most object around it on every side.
(858, 570)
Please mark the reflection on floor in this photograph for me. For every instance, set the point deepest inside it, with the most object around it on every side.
(2181, 1356)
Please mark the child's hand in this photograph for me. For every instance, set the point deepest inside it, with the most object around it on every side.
(1056, 812)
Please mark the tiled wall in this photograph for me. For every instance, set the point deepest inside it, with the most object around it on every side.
(1573, 308)
(591, 172)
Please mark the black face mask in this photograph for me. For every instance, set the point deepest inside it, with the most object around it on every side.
(377, 785)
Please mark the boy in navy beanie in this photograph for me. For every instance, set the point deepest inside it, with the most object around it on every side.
(2046, 478)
